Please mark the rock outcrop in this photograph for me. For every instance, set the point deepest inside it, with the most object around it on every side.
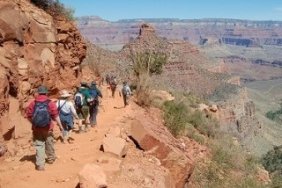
(177, 155)
(35, 49)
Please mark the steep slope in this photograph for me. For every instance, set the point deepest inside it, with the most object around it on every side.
(36, 49)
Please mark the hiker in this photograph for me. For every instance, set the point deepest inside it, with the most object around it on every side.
(125, 92)
(80, 99)
(113, 85)
(108, 78)
(93, 105)
(40, 112)
(66, 112)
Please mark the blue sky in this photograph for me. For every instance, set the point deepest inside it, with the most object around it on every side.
(184, 9)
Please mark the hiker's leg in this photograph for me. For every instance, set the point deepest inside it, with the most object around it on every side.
(39, 144)
(127, 99)
(49, 145)
(85, 110)
(124, 99)
(93, 115)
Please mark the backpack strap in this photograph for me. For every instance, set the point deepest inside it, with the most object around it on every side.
(46, 102)
(60, 107)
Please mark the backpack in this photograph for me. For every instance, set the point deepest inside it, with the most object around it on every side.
(94, 97)
(41, 116)
(125, 90)
(114, 82)
(78, 100)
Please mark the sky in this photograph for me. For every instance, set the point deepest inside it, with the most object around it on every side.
(114, 10)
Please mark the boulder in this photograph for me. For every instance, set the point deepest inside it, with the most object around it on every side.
(213, 108)
(114, 131)
(109, 164)
(3, 149)
(92, 176)
(179, 165)
(114, 145)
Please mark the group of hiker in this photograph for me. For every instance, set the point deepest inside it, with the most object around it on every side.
(83, 107)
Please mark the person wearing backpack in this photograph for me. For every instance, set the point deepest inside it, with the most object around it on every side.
(93, 105)
(113, 85)
(66, 113)
(82, 97)
(125, 92)
(41, 112)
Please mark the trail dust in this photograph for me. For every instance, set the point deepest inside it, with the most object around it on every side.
(19, 171)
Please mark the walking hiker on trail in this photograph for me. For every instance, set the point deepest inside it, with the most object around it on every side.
(125, 92)
(94, 104)
(40, 112)
(108, 78)
(66, 112)
(81, 98)
(113, 85)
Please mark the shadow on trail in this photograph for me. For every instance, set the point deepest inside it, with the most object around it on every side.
(121, 107)
(30, 158)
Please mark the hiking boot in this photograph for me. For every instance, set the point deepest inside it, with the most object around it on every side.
(81, 130)
(51, 161)
(87, 128)
(40, 168)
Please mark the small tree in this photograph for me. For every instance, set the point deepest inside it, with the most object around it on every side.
(144, 65)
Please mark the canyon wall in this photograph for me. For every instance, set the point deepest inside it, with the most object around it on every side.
(35, 49)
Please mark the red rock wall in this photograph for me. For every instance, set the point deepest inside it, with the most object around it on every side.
(36, 49)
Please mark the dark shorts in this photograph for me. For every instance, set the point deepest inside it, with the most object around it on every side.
(82, 112)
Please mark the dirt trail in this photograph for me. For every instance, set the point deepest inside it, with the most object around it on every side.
(20, 171)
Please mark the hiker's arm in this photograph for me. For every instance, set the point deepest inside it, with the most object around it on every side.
(73, 111)
(29, 111)
(57, 119)
(55, 114)
(100, 94)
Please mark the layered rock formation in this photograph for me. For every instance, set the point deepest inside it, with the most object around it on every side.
(228, 31)
(36, 49)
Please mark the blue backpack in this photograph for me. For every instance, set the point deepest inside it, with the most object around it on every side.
(41, 116)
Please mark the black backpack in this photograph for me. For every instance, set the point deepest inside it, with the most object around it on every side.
(41, 116)
(78, 100)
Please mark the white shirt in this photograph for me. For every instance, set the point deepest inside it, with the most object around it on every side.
(66, 106)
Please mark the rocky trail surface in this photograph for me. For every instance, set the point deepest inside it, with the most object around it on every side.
(130, 147)
(19, 171)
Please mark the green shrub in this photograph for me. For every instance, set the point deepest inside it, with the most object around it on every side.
(149, 62)
(205, 125)
(275, 115)
(55, 8)
(175, 116)
(272, 160)
(229, 166)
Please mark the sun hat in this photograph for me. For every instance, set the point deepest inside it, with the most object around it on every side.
(42, 90)
(65, 93)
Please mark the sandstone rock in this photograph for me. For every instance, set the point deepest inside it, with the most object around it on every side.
(114, 131)
(203, 107)
(114, 145)
(173, 159)
(214, 108)
(3, 150)
(31, 54)
(263, 175)
(162, 95)
(109, 163)
(92, 176)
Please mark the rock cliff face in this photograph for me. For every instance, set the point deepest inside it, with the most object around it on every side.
(36, 49)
